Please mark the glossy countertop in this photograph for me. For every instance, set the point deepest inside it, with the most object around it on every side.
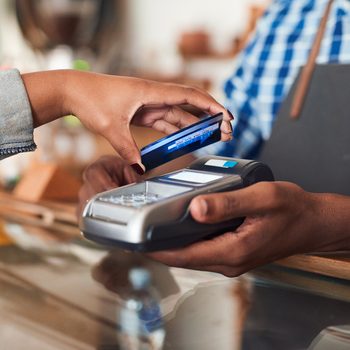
(65, 294)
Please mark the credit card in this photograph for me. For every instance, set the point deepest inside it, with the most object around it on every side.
(182, 142)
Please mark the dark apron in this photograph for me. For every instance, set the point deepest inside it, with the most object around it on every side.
(314, 150)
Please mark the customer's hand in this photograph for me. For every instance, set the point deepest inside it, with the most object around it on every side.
(109, 104)
(281, 220)
(106, 173)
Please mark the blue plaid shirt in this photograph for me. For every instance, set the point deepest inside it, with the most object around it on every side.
(270, 63)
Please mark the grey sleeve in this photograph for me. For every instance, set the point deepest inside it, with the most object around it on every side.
(16, 122)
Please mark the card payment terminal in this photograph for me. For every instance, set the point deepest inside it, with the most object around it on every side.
(153, 214)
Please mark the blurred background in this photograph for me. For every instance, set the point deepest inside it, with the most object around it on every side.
(187, 41)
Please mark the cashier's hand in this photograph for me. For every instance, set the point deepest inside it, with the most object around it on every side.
(106, 173)
(281, 220)
(108, 104)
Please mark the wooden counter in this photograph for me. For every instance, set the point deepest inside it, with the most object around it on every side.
(336, 264)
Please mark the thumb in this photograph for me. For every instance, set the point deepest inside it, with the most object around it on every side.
(253, 200)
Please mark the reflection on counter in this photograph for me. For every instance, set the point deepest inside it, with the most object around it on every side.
(337, 337)
(68, 296)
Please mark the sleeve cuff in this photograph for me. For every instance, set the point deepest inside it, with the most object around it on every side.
(16, 121)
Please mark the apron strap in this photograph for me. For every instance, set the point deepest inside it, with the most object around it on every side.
(306, 73)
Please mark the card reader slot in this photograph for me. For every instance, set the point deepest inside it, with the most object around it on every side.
(110, 212)
(103, 219)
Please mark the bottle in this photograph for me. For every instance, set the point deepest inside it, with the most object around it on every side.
(140, 321)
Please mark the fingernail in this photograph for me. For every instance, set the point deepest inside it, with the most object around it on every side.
(227, 128)
(202, 208)
(137, 167)
(231, 115)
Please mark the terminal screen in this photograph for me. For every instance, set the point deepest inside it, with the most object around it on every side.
(195, 177)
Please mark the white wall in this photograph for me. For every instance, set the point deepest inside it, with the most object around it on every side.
(155, 25)
(158, 22)
(154, 28)
(14, 52)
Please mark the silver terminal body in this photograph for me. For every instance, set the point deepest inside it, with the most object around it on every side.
(145, 215)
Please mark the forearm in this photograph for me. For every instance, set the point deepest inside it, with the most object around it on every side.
(47, 94)
(333, 218)
(54, 94)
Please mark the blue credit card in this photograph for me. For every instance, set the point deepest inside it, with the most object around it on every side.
(184, 141)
